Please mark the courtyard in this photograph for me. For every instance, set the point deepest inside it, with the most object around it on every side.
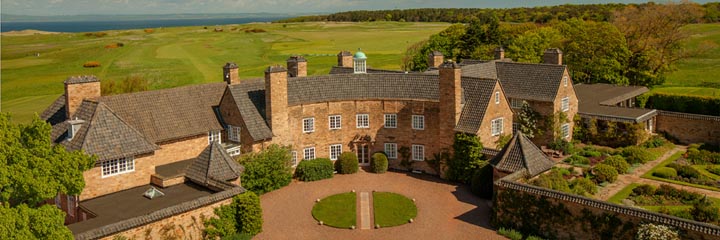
(444, 210)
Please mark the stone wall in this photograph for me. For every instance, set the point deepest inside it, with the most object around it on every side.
(557, 215)
(169, 152)
(494, 111)
(689, 128)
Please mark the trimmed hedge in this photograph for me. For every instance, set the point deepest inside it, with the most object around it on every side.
(618, 162)
(683, 103)
(604, 173)
(635, 154)
(313, 170)
(665, 172)
(379, 163)
(347, 163)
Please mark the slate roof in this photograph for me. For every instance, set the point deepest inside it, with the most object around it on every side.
(349, 70)
(521, 153)
(103, 133)
(539, 82)
(214, 163)
(598, 101)
(477, 94)
(249, 95)
(55, 113)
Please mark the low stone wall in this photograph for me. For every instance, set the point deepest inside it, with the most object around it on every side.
(557, 215)
(689, 128)
(182, 221)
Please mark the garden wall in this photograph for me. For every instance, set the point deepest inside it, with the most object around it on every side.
(557, 215)
(689, 128)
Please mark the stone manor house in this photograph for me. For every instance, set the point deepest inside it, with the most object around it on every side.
(180, 142)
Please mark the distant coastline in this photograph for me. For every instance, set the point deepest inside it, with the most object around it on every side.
(94, 26)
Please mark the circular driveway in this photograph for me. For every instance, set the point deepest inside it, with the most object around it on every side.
(445, 210)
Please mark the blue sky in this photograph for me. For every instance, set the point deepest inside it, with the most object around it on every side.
(84, 7)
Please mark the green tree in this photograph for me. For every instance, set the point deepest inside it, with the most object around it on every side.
(481, 37)
(32, 170)
(530, 46)
(242, 216)
(267, 170)
(466, 159)
(447, 41)
(528, 119)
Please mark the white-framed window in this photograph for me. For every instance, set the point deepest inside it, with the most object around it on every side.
(418, 122)
(497, 97)
(214, 136)
(497, 126)
(516, 103)
(233, 133)
(335, 121)
(308, 125)
(390, 120)
(335, 151)
(233, 151)
(565, 104)
(293, 157)
(309, 153)
(362, 120)
(391, 150)
(565, 81)
(418, 152)
(516, 127)
(565, 130)
(117, 166)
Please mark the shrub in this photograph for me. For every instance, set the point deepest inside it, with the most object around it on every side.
(702, 156)
(665, 172)
(714, 170)
(267, 170)
(552, 180)
(635, 154)
(379, 163)
(654, 142)
(604, 173)
(91, 64)
(583, 186)
(241, 217)
(650, 231)
(684, 103)
(577, 159)
(644, 190)
(347, 163)
(313, 170)
(688, 172)
(591, 153)
(482, 182)
(255, 30)
(618, 162)
(510, 233)
(467, 158)
(563, 146)
(704, 211)
(149, 30)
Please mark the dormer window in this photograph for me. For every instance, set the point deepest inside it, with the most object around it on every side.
(74, 128)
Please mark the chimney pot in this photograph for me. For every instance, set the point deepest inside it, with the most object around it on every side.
(78, 88)
(230, 73)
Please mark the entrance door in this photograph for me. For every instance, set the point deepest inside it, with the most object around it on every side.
(363, 155)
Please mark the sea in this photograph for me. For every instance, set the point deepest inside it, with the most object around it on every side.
(94, 26)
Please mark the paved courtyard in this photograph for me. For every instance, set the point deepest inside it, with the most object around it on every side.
(445, 210)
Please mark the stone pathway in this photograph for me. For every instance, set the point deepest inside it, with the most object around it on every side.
(365, 211)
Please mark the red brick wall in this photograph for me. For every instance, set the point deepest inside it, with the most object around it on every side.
(494, 111)
(689, 128)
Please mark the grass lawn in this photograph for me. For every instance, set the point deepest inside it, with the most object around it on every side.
(623, 194)
(672, 158)
(177, 56)
(337, 210)
(703, 170)
(392, 209)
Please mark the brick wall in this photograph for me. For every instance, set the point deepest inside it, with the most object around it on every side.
(75, 93)
(494, 111)
(96, 185)
(689, 128)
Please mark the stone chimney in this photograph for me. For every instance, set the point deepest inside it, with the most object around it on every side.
(435, 59)
(345, 59)
(553, 56)
(499, 53)
(450, 98)
(297, 66)
(230, 73)
(276, 102)
(78, 88)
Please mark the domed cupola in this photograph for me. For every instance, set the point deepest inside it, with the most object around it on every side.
(359, 62)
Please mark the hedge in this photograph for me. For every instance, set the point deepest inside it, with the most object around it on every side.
(665, 172)
(604, 173)
(618, 162)
(379, 163)
(313, 170)
(347, 163)
(635, 154)
(684, 103)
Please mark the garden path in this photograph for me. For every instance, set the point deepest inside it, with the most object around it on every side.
(445, 210)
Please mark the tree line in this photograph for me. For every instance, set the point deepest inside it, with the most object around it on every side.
(638, 46)
(545, 14)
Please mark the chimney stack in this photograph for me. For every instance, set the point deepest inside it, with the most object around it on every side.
(297, 66)
(345, 59)
(230, 73)
(553, 56)
(78, 88)
(435, 59)
(276, 102)
(450, 97)
(499, 53)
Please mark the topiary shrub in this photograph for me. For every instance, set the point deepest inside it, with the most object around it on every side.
(618, 162)
(313, 170)
(583, 186)
(241, 217)
(604, 173)
(635, 154)
(665, 172)
(379, 162)
(347, 163)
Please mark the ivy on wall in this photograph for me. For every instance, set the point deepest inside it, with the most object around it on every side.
(612, 134)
